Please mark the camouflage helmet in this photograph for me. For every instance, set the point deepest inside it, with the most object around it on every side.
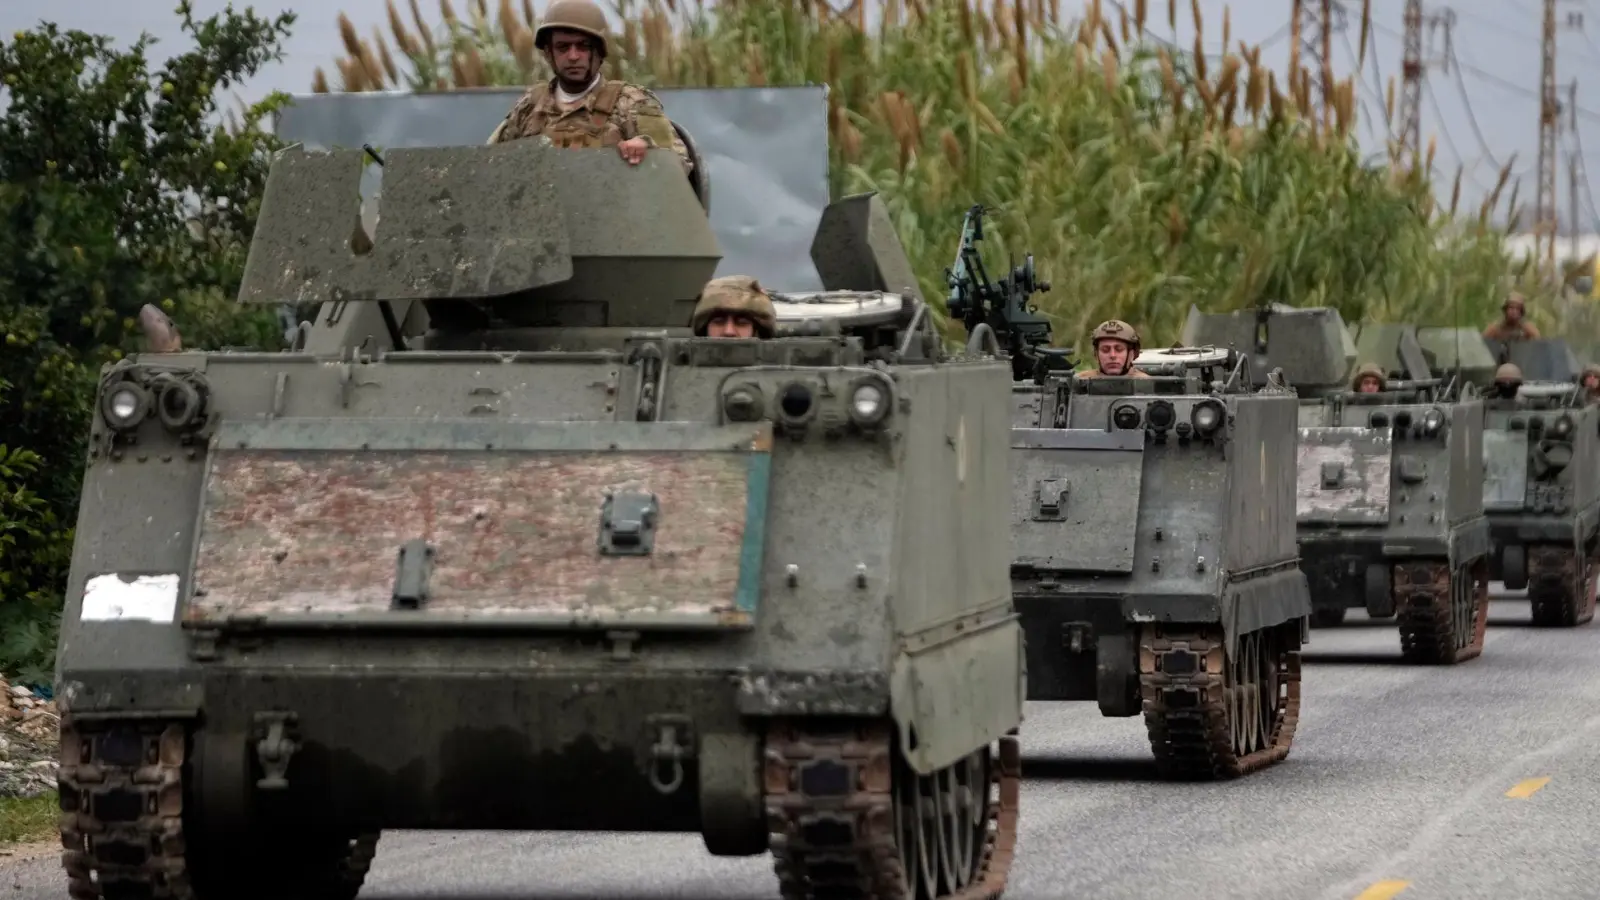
(572, 15)
(735, 294)
(1116, 329)
(1515, 299)
(1369, 369)
(1590, 369)
(1508, 372)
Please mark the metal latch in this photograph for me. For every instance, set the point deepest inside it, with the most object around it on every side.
(413, 570)
(1413, 471)
(1050, 499)
(628, 524)
(1332, 474)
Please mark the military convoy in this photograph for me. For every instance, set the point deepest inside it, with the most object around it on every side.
(554, 564)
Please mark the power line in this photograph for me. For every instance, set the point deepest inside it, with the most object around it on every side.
(1472, 116)
(1355, 64)
(1576, 135)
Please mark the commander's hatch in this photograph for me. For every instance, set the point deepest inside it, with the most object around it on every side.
(1075, 498)
(1343, 476)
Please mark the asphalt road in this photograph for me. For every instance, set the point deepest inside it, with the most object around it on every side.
(1476, 781)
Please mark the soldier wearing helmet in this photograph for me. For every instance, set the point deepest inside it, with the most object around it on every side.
(1589, 380)
(1507, 380)
(579, 107)
(1368, 380)
(1116, 346)
(1513, 324)
(734, 306)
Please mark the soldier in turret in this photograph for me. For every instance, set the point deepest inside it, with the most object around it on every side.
(1116, 346)
(160, 335)
(579, 107)
(734, 306)
(1513, 325)
(1590, 382)
(1368, 380)
(1507, 380)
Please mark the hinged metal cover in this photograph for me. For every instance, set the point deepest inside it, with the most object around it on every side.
(1505, 470)
(628, 524)
(1094, 477)
(1343, 476)
(301, 520)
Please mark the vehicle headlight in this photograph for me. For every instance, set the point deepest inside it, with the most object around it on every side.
(1432, 421)
(869, 403)
(125, 406)
(1206, 416)
(743, 404)
(1561, 427)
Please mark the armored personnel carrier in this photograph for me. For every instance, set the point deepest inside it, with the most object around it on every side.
(1391, 514)
(1542, 490)
(556, 565)
(1459, 353)
(1153, 555)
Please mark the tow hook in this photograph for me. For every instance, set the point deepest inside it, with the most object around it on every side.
(673, 737)
(275, 749)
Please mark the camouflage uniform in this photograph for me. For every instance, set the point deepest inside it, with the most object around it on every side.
(608, 114)
(738, 295)
(1370, 370)
(1115, 329)
(1501, 330)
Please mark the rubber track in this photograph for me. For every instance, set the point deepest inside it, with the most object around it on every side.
(122, 813)
(841, 844)
(1181, 681)
(1424, 600)
(1559, 597)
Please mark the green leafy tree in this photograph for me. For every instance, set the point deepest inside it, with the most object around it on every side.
(120, 185)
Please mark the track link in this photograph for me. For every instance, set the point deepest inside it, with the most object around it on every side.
(122, 794)
(837, 832)
(1190, 694)
(1561, 586)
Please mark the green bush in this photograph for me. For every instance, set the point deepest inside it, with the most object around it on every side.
(117, 188)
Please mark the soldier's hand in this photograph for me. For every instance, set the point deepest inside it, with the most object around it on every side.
(633, 150)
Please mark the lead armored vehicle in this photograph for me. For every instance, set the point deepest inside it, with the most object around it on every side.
(1154, 559)
(1542, 486)
(557, 564)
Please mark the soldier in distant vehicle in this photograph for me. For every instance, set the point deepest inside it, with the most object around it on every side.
(1507, 380)
(1368, 380)
(1116, 346)
(1589, 380)
(1513, 324)
(734, 306)
(580, 108)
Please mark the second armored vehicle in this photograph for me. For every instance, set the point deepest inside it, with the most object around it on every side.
(559, 565)
(1154, 559)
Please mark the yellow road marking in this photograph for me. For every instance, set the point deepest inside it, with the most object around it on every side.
(1383, 890)
(1527, 789)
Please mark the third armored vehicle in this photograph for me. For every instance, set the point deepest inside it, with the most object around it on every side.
(1154, 559)
(1389, 504)
(557, 564)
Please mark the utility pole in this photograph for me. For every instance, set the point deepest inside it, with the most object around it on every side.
(1572, 173)
(1315, 24)
(1414, 68)
(1544, 235)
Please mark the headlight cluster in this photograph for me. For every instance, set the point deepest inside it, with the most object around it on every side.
(1205, 417)
(867, 401)
(178, 400)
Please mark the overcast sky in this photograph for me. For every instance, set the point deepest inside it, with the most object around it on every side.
(1483, 110)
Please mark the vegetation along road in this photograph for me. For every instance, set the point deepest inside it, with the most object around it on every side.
(1412, 782)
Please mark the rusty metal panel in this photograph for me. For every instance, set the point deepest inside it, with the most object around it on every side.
(1074, 510)
(1505, 470)
(1343, 476)
(292, 533)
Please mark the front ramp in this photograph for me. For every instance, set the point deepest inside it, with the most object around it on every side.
(402, 523)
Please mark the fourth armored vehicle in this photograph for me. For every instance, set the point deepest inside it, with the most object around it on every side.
(557, 564)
